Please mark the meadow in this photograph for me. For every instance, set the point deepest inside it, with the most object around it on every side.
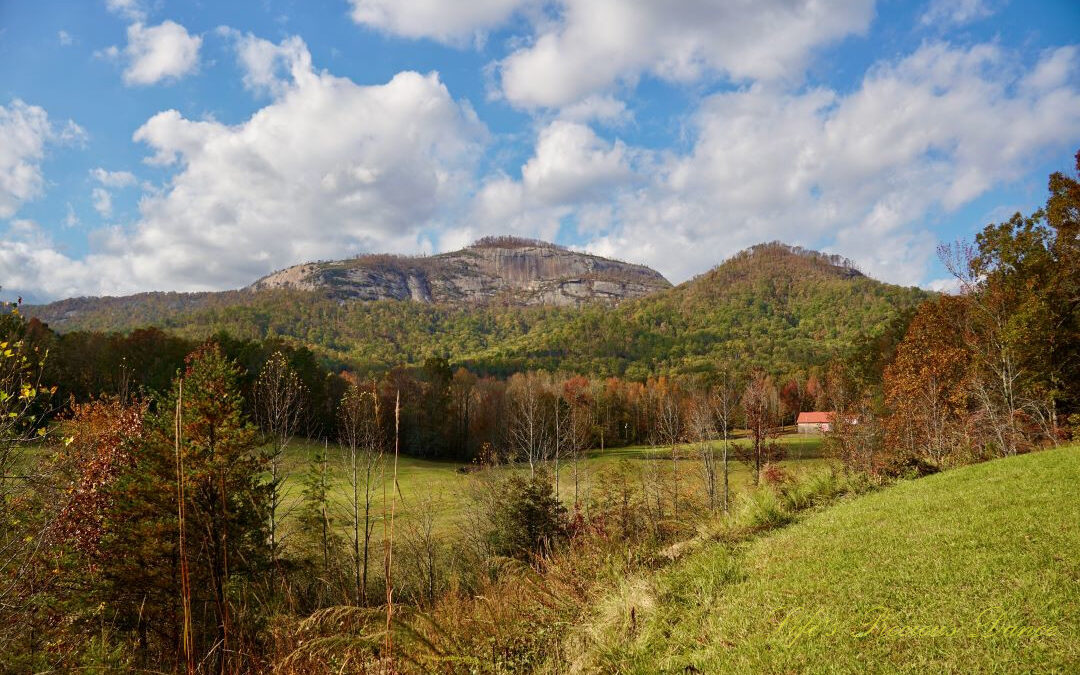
(443, 486)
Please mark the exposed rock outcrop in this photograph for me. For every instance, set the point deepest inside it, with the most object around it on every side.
(502, 269)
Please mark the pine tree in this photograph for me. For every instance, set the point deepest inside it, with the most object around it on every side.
(189, 528)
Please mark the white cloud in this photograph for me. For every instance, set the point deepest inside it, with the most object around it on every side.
(35, 268)
(269, 68)
(26, 131)
(327, 169)
(114, 179)
(132, 10)
(596, 44)
(572, 163)
(604, 109)
(449, 22)
(956, 12)
(571, 169)
(950, 285)
(65, 38)
(858, 174)
(102, 199)
(157, 53)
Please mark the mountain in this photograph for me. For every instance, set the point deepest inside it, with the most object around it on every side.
(506, 269)
(774, 306)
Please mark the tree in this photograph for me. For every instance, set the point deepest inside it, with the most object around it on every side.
(790, 396)
(423, 550)
(188, 529)
(760, 409)
(279, 405)
(669, 430)
(529, 519)
(317, 525)
(23, 411)
(529, 435)
(360, 430)
(928, 387)
(725, 401)
(579, 424)
(702, 430)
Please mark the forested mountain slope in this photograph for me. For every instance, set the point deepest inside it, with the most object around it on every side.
(774, 306)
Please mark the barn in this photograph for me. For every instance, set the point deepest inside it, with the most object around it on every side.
(815, 422)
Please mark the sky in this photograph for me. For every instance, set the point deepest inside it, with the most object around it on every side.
(165, 145)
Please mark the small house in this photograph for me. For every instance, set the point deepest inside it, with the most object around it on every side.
(815, 422)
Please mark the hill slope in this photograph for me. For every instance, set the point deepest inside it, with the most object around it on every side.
(972, 570)
(772, 306)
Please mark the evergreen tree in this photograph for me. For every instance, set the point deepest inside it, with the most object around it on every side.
(189, 526)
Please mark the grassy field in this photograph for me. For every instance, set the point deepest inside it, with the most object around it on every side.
(975, 570)
(444, 484)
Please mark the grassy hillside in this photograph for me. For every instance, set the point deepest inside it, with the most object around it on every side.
(772, 306)
(972, 570)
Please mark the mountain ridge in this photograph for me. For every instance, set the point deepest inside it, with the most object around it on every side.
(505, 270)
(773, 306)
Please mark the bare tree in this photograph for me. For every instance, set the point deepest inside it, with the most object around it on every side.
(578, 427)
(992, 341)
(701, 430)
(669, 430)
(760, 408)
(363, 450)
(725, 400)
(423, 549)
(279, 398)
(529, 436)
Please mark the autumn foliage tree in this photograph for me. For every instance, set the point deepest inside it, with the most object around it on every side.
(928, 385)
(994, 371)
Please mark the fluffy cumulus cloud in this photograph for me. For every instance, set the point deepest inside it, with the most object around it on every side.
(596, 44)
(328, 168)
(159, 53)
(857, 173)
(31, 265)
(577, 49)
(269, 68)
(450, 22)
(571, 171)
(26, 131)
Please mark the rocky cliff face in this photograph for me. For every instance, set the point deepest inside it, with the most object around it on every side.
(503, 269)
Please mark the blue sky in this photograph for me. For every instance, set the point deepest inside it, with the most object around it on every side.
(159, 145)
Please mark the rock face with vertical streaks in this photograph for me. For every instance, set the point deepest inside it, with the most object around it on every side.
(497, 269)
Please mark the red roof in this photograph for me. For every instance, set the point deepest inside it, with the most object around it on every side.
(816, 417)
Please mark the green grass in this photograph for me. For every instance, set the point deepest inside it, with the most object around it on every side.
(445, 486)
(975, 570)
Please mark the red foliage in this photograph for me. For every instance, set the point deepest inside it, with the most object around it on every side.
(774, 474)
(101, 434)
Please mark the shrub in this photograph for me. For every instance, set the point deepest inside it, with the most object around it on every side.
(529, 520)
